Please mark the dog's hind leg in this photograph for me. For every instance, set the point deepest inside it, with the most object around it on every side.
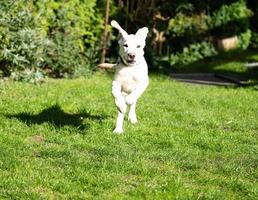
(132, 114)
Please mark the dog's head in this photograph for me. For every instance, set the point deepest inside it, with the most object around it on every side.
(131, 46)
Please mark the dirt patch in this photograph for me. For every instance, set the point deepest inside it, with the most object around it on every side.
(35, 139)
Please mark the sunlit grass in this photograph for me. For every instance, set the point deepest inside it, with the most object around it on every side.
(191, 142)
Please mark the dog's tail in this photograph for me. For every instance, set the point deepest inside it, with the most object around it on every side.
(106, 65)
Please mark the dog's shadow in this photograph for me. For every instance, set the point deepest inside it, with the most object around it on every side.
(58, 118)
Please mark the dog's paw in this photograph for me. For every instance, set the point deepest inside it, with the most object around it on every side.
(132, 119)
(118, 130)
(130, 99)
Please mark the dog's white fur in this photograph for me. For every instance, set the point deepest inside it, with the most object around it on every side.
(131, 77)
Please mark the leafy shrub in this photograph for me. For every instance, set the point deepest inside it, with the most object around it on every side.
(193, 53)
(230, 20)
(48, 37)
(185, 29)
(254, 40)
(244, 39)
(182, 25)
(207, 23)
(21, 43)
(28, 75)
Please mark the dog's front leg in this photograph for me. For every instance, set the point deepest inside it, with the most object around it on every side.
(121, 105)
(133, 96)
(118, 96)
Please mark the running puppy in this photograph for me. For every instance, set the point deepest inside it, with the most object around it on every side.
(131, 76)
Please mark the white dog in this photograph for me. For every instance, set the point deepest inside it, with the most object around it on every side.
(131, 77)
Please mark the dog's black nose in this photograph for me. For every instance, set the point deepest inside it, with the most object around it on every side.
(131, 56)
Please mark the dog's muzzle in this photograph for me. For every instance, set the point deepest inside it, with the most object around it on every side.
(128, 61)
(131, 58)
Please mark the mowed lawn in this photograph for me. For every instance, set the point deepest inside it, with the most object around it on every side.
(191, 142)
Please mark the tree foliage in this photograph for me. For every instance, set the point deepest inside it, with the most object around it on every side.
(63, 38)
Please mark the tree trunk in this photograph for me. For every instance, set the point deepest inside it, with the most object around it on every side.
(104, 40)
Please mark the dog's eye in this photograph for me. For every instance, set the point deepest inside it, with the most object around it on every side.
(125, 45)
(138, 46)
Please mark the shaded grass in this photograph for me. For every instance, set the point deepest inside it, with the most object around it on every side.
(191, 142)
(229, 63)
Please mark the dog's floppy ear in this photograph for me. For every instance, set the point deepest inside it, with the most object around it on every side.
(142, 32)
(119, 28)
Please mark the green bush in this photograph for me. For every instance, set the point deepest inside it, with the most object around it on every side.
(21, 43)
(254, 40)
(183, 25)
(191, 34)
(193, 53)
(244, 39)
(230, 20)
(49, 37)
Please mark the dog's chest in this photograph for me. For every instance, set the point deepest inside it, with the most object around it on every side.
(130, 78)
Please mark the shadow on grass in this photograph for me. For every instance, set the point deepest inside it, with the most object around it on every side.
(57, 117)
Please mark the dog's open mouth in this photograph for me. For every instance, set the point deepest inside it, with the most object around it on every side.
(131, 62)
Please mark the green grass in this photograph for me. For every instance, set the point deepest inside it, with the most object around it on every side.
(191, 142)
